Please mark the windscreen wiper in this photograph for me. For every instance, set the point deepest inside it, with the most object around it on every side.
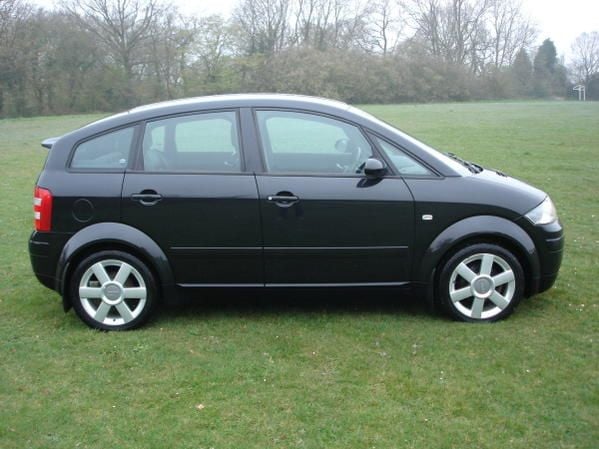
(474, 168)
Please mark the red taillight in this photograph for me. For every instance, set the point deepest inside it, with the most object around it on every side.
(42, 209)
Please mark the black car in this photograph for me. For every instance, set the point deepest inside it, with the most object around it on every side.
(258, 191)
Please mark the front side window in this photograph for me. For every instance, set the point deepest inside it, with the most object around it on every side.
(308, 143)
(202, 142)
(108, 151)
(404, 164)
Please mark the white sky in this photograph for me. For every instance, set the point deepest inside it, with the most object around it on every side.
(561, 21)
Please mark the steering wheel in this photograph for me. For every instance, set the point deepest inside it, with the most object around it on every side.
(360, 168)
(349, 147)
(155, 160)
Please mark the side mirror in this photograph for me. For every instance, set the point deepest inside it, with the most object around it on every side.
(374, 168)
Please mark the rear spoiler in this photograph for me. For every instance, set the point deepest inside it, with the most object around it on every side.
(47, 143)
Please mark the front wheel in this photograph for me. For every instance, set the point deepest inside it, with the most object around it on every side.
(113, 290)
(481, 282)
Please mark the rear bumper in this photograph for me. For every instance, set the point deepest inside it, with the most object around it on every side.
(44, 250)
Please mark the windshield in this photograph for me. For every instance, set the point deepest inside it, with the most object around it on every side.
(453, 163)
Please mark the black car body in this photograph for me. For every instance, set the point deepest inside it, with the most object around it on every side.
(278, 191)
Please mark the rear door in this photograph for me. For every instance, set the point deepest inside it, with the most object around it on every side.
(191, 194)
(323, 221)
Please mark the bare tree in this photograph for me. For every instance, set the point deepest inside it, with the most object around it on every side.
(465, 26)
(264, 24)
(9, 10)
(509, 31)
(327, 24)
(471, 32)
(306, 15)
(14, 15)
(171, 42)
(586, 56)
(425, 18)
(211, 46)
(451, 29)
(384, 26)
(123, 26)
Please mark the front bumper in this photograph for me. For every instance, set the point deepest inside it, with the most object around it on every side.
(549, 240)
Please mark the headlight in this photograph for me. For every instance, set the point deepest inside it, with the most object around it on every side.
(544, 213)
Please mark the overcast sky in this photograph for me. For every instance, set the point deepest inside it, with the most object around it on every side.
(561, 21)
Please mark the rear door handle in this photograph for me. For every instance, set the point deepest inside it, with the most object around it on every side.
(147, 197)
(283, 199)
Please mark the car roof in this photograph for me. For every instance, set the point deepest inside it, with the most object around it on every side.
(240, 100)
(184, 105)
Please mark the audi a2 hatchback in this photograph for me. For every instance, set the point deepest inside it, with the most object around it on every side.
(270, 191)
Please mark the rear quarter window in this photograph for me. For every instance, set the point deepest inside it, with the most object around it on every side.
(108, 151)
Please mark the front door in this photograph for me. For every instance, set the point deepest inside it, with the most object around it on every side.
(323, 221)
(191, 195)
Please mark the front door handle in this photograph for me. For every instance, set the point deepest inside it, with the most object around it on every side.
(283, 199)
(147, 197)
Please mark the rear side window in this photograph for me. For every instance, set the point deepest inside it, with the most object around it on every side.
(202, 142)
(108, 151)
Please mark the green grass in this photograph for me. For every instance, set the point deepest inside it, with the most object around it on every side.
(280, 372)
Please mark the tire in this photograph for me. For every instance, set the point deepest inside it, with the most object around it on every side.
(480, 283)
(113, 290)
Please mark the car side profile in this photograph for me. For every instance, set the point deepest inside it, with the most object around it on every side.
(278, 191)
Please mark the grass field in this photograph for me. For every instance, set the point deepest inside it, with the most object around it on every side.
(281, 372)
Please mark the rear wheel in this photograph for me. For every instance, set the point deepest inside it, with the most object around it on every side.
(482, 282)
(113, 290)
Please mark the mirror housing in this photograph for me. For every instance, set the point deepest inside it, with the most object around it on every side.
(374, 168)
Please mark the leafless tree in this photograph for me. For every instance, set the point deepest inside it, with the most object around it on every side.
(509, 31)
(585, 51)
(449, 29)
(263, 23)
(425, 19)
(14, 14)
(328, 24)
(171, 40)
(123, 26)
(384, 26)
(211, 45)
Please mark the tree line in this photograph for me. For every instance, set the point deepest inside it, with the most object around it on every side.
(107, 55)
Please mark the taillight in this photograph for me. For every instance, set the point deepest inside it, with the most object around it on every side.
(42, 209)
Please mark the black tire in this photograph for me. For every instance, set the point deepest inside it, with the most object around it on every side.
(492, 294)
(113, 302)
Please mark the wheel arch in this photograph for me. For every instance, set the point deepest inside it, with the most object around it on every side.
(482, 229)
(113, 236)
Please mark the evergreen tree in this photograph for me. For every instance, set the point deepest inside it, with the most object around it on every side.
(549, 74)
(521, 73)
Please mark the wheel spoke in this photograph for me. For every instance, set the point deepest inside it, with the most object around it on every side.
(504, 278)
(123, 273)
(466, 272)
(90, 292)
(101, 312)
(100, 273)
(134, 293)
(486, 264)
(124, 312)
(499, 300)
(461, 294)
(477, 308)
